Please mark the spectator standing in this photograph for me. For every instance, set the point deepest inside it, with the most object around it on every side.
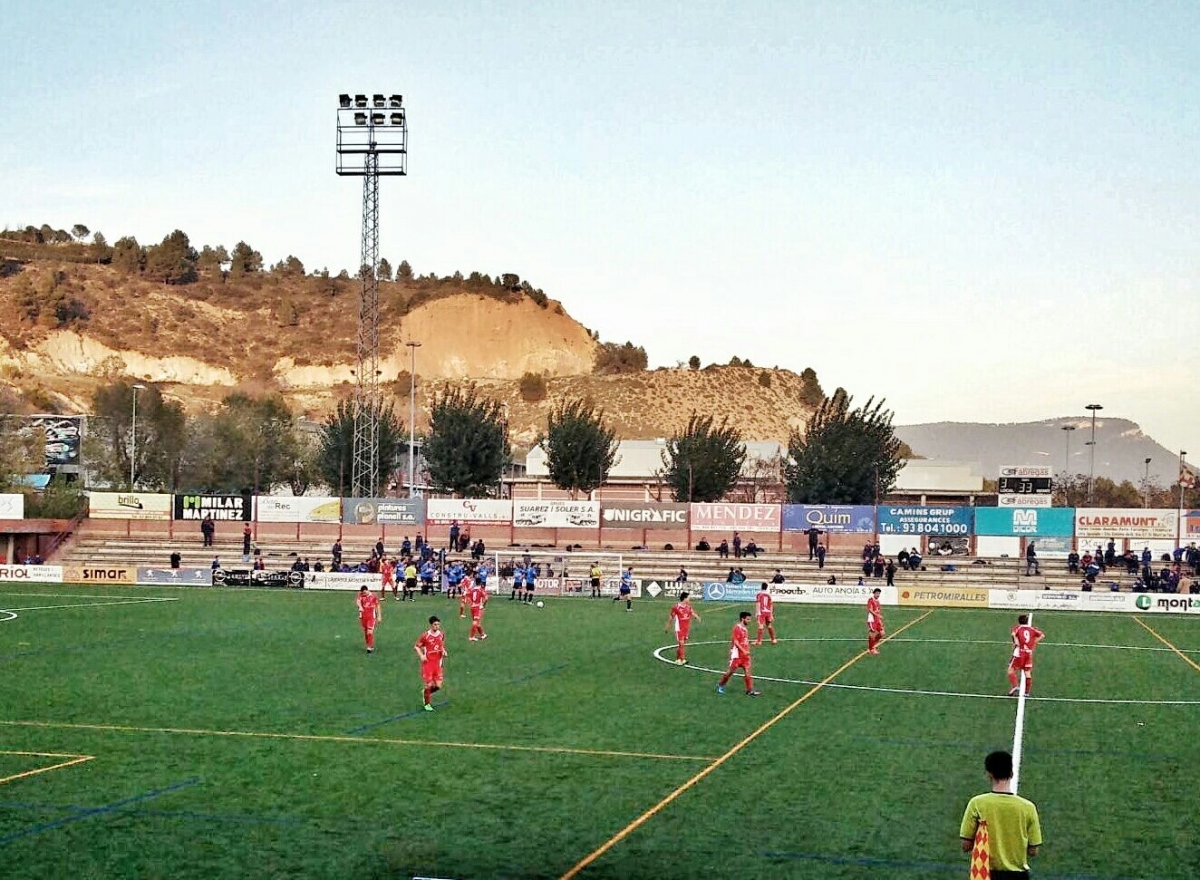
(246, 536)
(814, 538)
(454, 530)
(337, 554)
(1031, 561)
(208, 529)
(737, 546)
(891, 573)
(821, 555)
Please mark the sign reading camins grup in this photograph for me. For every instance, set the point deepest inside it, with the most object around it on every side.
(217, 507)
(925, 520)
(645, 515)
(530, 513)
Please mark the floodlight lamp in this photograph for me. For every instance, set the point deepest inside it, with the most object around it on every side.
(377, 118)
(360, 118)
(344, 100)
(360, 100)
(397, 100)
(379, 102)
(397, 119)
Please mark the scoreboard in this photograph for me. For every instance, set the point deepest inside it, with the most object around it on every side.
(1025, 486)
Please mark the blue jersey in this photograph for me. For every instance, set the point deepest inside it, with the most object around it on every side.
(518, 576)
(454, 574)
(428, 571)
(531, 576)
(626, 579)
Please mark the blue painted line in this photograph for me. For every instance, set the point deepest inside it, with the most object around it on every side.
(866, 862)
(401, 717)
(98, 811)
(539, 673)
(137, 811)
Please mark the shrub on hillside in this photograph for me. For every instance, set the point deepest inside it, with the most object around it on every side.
(614, 358)
(533, 387)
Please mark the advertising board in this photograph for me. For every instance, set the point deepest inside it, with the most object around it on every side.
(1136, 522)
(534, 513)
(384, 511)
(748, 517)
(725, 592)
(925, 520)
(99, 574)
(319, 580)
(947, 597)
(218, 507)
(1170, 604)
(248, 577)
(297, 509)
(34, 574)
(643, 515)
(129, 505)
(1025, 521)
(185, 577)
(1015, 500)
(838, 518)
(832, 594)
(12, 506)
(474, 511)
(1191, 528)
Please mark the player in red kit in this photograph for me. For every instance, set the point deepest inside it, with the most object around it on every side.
(766, 615)
(431, 648)
(681, 616)
(875, 631)
(739, 655)
(387, 568)
(476, 596)
(1025, 638)
(368, 615)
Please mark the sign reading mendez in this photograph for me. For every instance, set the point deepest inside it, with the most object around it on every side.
(925, 520)
(750, 517)
(829, 518)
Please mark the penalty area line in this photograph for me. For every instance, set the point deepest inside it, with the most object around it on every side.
(76, 759)
(1184, 657)
(343, 738)
(737, 747)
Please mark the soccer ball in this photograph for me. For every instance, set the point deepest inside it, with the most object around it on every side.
(541, 604)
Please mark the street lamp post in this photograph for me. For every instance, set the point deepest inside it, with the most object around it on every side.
(1067, 429)
(1095, 408)
(412, 418)
(133, 433)
(1182, 474)
(1146, 485)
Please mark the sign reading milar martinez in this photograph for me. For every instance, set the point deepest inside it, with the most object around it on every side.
(222, 507)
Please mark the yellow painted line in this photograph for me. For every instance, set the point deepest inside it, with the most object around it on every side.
(76, 759)
(316, 737)
(1186, 659)
(761, 729)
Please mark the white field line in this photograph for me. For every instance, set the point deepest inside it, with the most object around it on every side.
(1019, 727)
(142, 601)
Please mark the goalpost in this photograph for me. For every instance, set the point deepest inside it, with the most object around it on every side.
(560, 573)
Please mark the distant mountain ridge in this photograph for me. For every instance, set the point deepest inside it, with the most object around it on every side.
(1121, 447)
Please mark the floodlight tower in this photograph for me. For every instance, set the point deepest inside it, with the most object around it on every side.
(372, 142)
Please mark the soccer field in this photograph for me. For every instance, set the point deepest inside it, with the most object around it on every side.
(221, 733)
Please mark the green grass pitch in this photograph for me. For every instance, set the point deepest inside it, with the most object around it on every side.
(247, 734)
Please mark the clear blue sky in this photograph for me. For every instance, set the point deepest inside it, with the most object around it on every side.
(981, 212)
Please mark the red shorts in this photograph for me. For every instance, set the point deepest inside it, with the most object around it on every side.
(476, 615)
(764, 619)
(682, 629)
(431, 671)
(1022, 660)
(388, 579)
(737, 661)
(367, 623)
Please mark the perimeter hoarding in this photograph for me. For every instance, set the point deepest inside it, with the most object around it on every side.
(39, 574)
(99, 574)
(298, 509)
(219, 507)
(248, 577)
(468, 511)
(643, 515)
(1025, 521)
(129, 505)
(837, 518)
(727, 592)
(747, 517)
(1191, 527)
(1133, 522)
(186, 577)
(12, 506)
(330, 580)
(384, 511)
(925, 520)
(531, 513)
(948, 597)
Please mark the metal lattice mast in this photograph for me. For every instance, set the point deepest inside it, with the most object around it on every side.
(372, 142)
(364, 473)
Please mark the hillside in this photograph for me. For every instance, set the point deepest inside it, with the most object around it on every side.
(66, 328)
(1121, 447)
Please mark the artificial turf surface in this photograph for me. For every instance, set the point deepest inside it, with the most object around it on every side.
(247, 734)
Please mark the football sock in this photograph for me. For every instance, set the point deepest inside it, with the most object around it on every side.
(1012, 678)
(427, 693)
(628, 604)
